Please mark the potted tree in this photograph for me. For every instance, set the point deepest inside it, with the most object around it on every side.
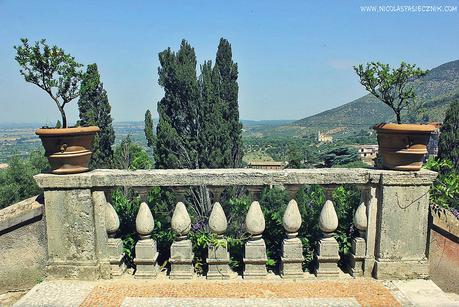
(402, 146)
(57, 73)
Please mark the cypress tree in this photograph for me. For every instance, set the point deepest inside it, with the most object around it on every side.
(149, 135)
(179, 124)
(95, 110)
(448, 146)
(227, 72)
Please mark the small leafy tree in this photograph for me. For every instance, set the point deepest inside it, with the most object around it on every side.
(51, 69)
(391, 86)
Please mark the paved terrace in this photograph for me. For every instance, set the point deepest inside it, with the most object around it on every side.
(126, 291)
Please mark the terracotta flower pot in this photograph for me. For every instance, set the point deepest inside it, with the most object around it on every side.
(403, 146)
(68, 149)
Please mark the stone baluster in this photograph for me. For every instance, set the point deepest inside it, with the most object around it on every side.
(255, 249)
(181, 249)
(114, 245)
(292, 248)
(327, 254)
(146, 252)
(218, 256)
(359, 245)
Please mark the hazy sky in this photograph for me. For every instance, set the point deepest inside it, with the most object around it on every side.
(295, 57)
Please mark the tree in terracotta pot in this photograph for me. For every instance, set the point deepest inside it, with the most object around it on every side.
(59, 75)
(401, 146)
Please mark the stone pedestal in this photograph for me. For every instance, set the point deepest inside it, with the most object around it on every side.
(327, 258)
(116, 256)
(181, 260)
(292, 258)
(357, 257)
(145, 259)
(402, 225)
(217, 260)
(255, 259)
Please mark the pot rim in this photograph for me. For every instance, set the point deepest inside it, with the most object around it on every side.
(67, 131)
(404, 128)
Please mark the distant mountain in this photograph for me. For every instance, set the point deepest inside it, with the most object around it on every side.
(436, 89)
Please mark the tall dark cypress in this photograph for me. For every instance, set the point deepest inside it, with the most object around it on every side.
(228, 92)
(149, 135)
(95, 110)
(448, 146)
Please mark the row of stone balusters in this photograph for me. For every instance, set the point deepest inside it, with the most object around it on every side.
(326, 256)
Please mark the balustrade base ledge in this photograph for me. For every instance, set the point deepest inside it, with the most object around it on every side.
(386, 269)
(74, 271)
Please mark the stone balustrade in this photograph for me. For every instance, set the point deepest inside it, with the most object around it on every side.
(391, 221)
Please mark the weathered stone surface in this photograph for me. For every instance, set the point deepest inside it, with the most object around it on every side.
(217, 261)
(292, 218)
(181, 260)
(233, 177)
(357, 257)
(71, 230)
(327, 258)
(292, 258)
(255, 259)
(23, 251)
(112, 221)
(402, 228)
(144, 222)
(116, 256)
(181, 221)
(328, 220)
(217, 220)
(360, 217)
(146, 255)
(100, 234)
(255, 220)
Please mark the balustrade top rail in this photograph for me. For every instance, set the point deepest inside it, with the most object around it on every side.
(232, 177)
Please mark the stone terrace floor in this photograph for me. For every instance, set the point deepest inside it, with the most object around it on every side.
(127, 291)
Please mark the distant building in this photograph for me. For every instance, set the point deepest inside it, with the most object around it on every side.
(3, 165)
(267, 165)
(367, 153)
(324, 138)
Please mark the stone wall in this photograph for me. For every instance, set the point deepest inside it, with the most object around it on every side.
(444, 250)
(23, 242)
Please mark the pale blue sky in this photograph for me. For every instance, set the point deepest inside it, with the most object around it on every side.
(295, 57)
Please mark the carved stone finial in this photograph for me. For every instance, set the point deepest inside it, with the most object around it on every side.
(360, 218)
(144, 222)
(181, 221)
(292, 219)
(217, 220)
(328, 220)
(255, 220)
(112, 221)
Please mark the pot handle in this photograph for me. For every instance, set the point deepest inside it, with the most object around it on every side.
(63, 147)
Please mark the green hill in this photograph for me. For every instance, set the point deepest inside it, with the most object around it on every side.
(436, 89)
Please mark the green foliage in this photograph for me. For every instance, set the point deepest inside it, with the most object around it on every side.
(448, 146)
(340, 156)
(391, 86)
(16, 181)
(126, 204)
(445, 189)
(51, 69)
(129, 155)
(226, 72)
(149, 135)
(95, 110)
